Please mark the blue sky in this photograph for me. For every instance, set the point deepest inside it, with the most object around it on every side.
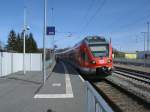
(122, 20)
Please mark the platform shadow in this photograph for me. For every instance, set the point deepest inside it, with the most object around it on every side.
(60, 69)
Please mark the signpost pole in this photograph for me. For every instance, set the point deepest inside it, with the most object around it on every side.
(53, 39)
(44, 35)
(48, 30)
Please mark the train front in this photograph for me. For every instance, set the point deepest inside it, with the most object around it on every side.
(101, 55)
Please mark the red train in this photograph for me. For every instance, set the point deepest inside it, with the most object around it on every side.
(92, 55)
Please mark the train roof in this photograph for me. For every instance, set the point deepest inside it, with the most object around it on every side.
(89, 40)
(95, 40)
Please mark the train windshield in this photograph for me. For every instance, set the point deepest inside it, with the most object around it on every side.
(99, 50)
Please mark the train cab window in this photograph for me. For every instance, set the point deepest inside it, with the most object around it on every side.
(100, 50)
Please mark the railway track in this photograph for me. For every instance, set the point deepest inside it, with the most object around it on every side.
(119, 99)
(135, 77)
(139, 85)
(124, 91)
(134, 72)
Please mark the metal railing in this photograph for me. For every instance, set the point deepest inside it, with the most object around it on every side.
(138, 62)
(50, 64)
(95, 102)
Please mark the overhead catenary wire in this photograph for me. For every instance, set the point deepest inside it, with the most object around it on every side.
(94, 15)
(90, 7)
(136, 22)
(131, 24)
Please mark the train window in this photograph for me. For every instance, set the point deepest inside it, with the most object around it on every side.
(100, 50)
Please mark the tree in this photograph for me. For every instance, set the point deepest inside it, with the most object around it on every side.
(19, 43)
(12, 41)
(31, 44)
(15, 43)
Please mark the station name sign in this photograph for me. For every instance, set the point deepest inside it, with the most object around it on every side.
(50, 30)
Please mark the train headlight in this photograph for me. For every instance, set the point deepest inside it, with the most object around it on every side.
(93, 62)
(108, 61)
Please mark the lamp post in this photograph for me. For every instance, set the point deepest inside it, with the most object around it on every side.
(24, 40)
(24, 44)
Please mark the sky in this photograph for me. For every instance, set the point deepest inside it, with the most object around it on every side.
(121, 20)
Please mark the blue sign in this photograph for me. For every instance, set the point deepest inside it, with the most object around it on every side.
(50, 30)
(55, 46)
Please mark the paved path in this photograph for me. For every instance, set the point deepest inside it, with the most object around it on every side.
(64, 91)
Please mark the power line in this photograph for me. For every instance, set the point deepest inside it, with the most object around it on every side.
(94, 15)
(90, 7)
(133, 23)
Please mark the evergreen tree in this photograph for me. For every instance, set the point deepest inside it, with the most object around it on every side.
(15, 43)
(19, 44)
(27, 46)
(12, 41)
(31, 44)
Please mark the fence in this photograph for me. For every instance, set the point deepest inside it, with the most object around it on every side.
(138, 62)
(95, 103)
(13, 62)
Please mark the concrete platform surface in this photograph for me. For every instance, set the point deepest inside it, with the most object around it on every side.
(64, 91)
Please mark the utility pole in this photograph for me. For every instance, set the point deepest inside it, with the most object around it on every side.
(148, 36)
(144, 33)
(24, 41)
(144, 47)
(44, 36)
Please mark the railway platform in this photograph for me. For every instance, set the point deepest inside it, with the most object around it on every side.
(63, 91)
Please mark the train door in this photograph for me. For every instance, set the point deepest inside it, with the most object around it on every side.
(84, 58)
